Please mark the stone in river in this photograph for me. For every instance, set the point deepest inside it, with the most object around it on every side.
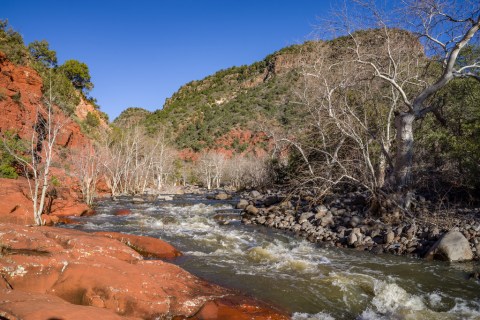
(453, 246)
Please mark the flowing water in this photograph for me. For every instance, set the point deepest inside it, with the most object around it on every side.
(306, 280)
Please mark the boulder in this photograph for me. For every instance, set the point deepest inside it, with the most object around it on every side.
(122, 212)
(228, 308)
(327, 220)
(137, 200)
(305, 217)
(389, 237)
(250, 209)
(271, 200)
(222, 196)
(261, 220)
(355, 221)
(148, 247)
(49, 220)
(255, 194)
(352, 238)
(242, 204)
(321, 209)
(452, 246)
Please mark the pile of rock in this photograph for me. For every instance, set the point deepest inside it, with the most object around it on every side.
(343, 222)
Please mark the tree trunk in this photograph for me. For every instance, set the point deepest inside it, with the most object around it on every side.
(381, 169)
(404, 154)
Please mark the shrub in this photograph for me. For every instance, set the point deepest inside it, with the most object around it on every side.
(7, 171)
(92, 120)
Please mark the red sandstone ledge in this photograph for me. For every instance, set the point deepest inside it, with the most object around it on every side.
(67, 274)
(148, 247)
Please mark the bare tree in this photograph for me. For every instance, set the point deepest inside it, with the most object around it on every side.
(87, 167)
(37, 160)
(445, 28)
(111, 160)
(352, 122)
(163, 159)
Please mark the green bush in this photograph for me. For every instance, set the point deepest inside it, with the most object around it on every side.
(54, 181)
(92, 120)
(11, 43)
(7, 171)
(77, 72)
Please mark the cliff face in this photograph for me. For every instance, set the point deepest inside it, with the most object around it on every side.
(84, 108)
(21, 98)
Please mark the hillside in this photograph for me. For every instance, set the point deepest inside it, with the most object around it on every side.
(205, 113)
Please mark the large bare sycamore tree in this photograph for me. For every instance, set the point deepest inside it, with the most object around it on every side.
(445, 28)
(394, 62)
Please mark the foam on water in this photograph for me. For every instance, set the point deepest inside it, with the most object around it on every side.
(393, 302)
(316, 316)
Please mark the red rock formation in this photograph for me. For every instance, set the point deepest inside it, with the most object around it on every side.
(148, 247)
(21, 97)
(17, 304)
(16, 206)
(92, 270)
(84, 107)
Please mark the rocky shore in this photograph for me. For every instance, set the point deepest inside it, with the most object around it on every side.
(344, 221)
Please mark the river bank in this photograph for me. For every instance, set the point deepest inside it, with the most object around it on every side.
(310, 281)
(344, 221)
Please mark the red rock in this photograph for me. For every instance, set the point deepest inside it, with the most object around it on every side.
(92, 270)
(102, 188)
(84, 108)
(238, 308)
(17, 304)
(122, 212)
(146, 246)
(21, 95)
(88, 213)
(49, 220)
(67, 220)
(16, 206)
(18, 113)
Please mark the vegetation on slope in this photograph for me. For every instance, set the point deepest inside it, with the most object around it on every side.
(202, 111)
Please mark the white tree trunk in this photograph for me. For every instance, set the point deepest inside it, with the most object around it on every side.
(404, 154)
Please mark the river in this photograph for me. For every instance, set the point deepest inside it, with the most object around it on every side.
(309, 281)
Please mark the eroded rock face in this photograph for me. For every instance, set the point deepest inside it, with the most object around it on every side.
(453, 246)
(21, 94)
(86, 269)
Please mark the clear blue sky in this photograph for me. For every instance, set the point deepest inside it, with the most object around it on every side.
(140, 52)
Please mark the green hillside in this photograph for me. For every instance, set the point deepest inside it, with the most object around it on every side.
(239, 97)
